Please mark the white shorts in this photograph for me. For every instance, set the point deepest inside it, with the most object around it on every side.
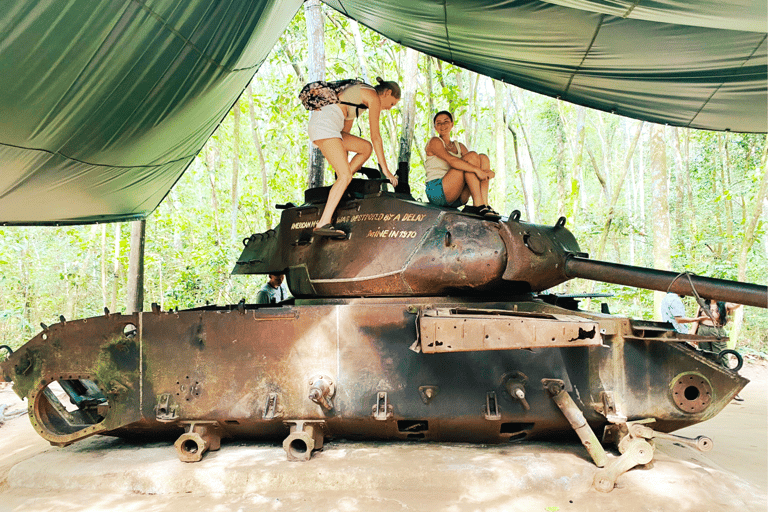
(326, 123)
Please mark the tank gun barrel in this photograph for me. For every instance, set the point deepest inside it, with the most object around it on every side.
(662, 280)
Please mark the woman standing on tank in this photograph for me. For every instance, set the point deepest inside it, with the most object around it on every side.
(329, 130)
(454, 174)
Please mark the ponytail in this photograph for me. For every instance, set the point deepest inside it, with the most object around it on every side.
(387, 86)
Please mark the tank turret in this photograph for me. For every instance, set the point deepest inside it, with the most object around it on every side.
(396, 246)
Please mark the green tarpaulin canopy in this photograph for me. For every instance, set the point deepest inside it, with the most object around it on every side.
(103, 105)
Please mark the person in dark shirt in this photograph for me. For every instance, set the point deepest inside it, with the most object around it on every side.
(273, 290)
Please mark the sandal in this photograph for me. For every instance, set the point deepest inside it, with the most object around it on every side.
(472, 210)
(489, 213)
(330, 231)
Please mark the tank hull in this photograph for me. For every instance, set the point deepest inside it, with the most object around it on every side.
(250, 371)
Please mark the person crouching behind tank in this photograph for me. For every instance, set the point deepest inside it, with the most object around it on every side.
(454, 174)
(273, 291)
(713, 324)
(329, 130)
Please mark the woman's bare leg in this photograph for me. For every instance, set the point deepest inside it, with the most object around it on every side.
(474, 183)
(465, 195)
(475, 188)
(361, 147)
(485, 164)
(456, 182)
(333, 150)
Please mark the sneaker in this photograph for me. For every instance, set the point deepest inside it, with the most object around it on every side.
(329, 231)
(489, 213)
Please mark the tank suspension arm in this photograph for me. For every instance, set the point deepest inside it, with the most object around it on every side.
(662, 280)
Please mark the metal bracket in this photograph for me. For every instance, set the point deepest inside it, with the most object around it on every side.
(382, 410)
(321, 391)
(270, 410)
(302, 240)
(305, 437)
(166, 410)
(514, 384)
(607, 407)
(492, 411)
(200, 437)
(428, 393)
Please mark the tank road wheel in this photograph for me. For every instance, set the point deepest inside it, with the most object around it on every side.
(730, 359)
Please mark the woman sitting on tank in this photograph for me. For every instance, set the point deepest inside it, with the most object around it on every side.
(329, 130)
(454, 174)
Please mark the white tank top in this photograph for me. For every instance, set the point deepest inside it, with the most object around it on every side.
(435, 167)
(353, 95)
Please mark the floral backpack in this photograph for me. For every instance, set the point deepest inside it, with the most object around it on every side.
(318, 94)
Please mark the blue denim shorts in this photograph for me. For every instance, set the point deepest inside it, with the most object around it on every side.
(437, 197)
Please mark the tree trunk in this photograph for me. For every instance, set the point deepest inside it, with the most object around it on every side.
(638, 128)
(679, 185)
(725, 178)
(365, 74)
(104, 265)
(389, 134)
(641, 193)
(210, 162)
(314, 16)
(235, 172)
(629, 198)
(605, 133)
(528, 201)
(80, 274)
(408, 109)
(718, 249)
(561, 168)
(471, 125)
(749, 238)
(260, 156)
(161, 287)
(115, 268)
(26, 287)
(294, 64)
(452, 103)
(535, 206)
(575, 136)
(600, 175)
(659, 207)
(578, 168)
(430, 99)
(693, 225)
(500, 181)
(136, 267)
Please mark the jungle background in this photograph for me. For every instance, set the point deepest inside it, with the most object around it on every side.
(632, 192)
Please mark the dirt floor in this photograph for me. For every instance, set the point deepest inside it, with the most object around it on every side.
(105, 474)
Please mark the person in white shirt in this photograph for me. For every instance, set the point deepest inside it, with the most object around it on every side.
(673, 311)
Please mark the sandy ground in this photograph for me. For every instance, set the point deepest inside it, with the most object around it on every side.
(105, 474)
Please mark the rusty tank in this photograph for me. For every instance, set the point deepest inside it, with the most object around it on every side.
(422, 324)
